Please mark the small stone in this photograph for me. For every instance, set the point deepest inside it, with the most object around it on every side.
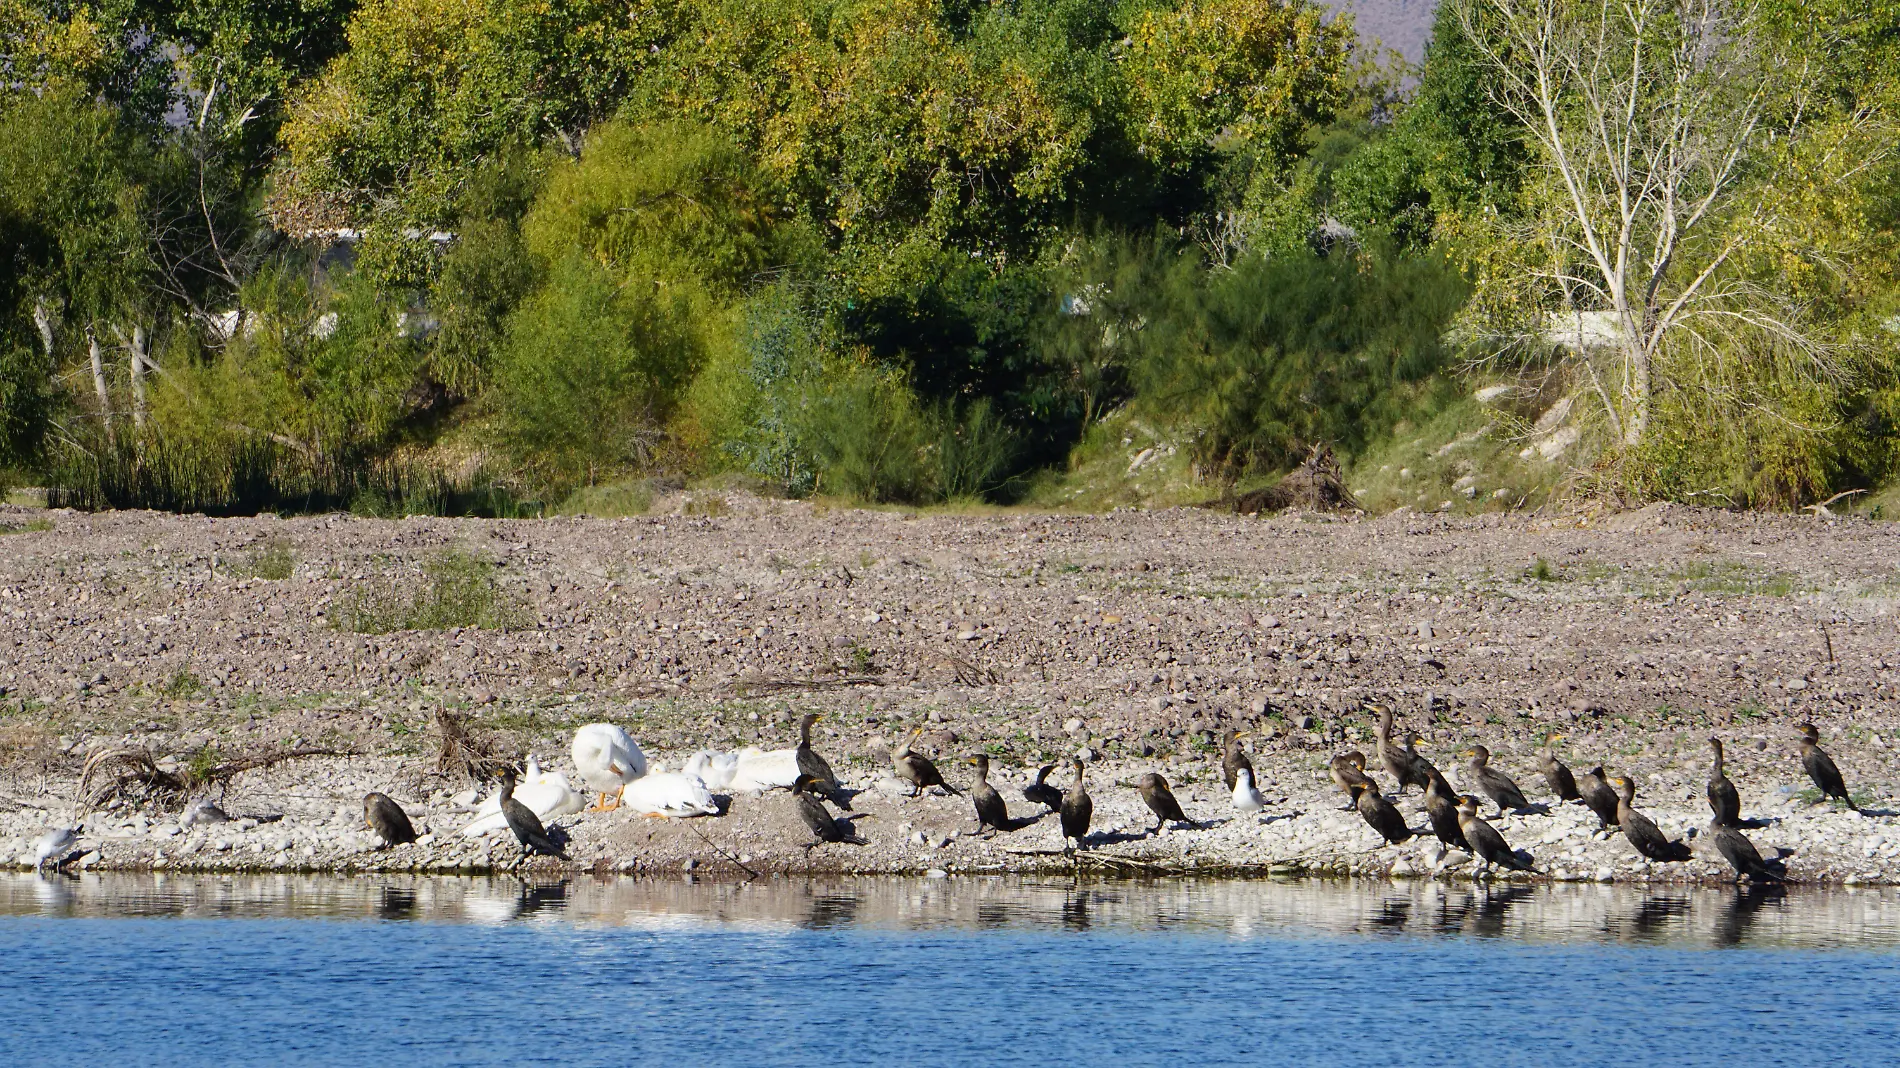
(936, 873)
(1072, 726)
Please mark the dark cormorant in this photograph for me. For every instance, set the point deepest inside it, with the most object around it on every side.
(1486, 842)
(990, 809)
(1827, 777)
(1041, 793)
(1422, 768)
(384, 816)
(1379, 814)
(1444, 813)
(1160, 799)
(913, 767)
(1496, 785)
(523, 822)
(1232, 759)
(1641, 831)
(1077, 809)
(1741, 854)
(1724, 801)
(1558, 776)
(1349, 768)
(1597, 794)
(812, 810)
(810, 763)
(1401, 764)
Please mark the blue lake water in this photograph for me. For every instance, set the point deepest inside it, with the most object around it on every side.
(289, 970)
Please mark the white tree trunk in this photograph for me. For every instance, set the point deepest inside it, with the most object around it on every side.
(43, 322)
(139, 365)
(99, 382)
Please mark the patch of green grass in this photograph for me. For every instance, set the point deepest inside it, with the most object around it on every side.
(609, 502)
(458, 589)
(183, 684)
(1541, 571)
(31, 526)
(1733, 579)
(272, 560)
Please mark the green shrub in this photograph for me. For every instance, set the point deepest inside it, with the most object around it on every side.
(974, 453)
(457, 589)
(272, 560)
(867, 438)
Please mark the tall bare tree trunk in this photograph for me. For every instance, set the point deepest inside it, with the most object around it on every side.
(139, 366)
(43, 321)
(99, 382)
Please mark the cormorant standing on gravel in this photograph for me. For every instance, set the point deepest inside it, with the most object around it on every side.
(1597, 794)
(913, 767)
(1443, 811)
(1741, 854)
(1379, 814)
(990, 809)
(1160, 800)
(386, 818)
(816, 816)
(1724, 801)
(523, 822)
(1641, 831)
(1232, 759)
(1077, 809)
(1401, 764)
(1347, 769)
(1827, 777)
(810, 763)
(1558, 776)
(1489, 846)
(1496, 785)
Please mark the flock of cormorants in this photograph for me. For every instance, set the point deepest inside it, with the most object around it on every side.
(1453, 816)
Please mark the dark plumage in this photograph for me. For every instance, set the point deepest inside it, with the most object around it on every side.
(523, 822)
(1443, 811)
(812, 810)
(1232, 759)
(1641, 831)
(1598, 795)
(1558, 777)
(1489, 846)
(990, 809)
(1496, 785)
(1724, 801)
(1401, 764)
(1160, 800)
(1741, 853)
(810, 763)
(1820, 766)
(1077, 809)
(1380, 815)
(382, 815)
(1041, 793)
(913, 767)
(1349, 769)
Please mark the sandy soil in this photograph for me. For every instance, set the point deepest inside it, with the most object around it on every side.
(1132, 638)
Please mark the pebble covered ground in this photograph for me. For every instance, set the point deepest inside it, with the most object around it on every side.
(1131, 638)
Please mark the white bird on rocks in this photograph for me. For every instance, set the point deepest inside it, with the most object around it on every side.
(547, 794)
(53, 846)
(607, 760)
(760, 770)
(202, 811)
(672, 794)
(716, 770)
(1246, 798)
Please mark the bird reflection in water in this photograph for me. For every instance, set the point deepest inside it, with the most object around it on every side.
(541, 897)
(1392, 915)
(1482, 910)
(396, 903)
(993, 915)
(1075, 911)
(1732, 923)
(1652, 918)
(832, 910)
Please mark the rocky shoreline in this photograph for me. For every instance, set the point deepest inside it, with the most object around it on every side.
(1133, 638)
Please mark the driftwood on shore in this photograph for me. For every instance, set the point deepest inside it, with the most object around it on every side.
(132, 772)
(1316, 485)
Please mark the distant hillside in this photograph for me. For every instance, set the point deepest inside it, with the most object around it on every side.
(1402, 25)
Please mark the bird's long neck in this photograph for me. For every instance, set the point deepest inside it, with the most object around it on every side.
(507, 789)
(1078, 776)
(1716, 771)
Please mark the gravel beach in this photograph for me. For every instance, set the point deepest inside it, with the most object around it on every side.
(1132, 639)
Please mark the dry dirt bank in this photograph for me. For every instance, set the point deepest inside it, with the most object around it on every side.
(1133, 636)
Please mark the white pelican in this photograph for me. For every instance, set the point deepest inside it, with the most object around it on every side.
(672, 794)
(546, 793)
(1246, 798)
(714, 769)
(760, 770)
(53, 846)
(607, 760)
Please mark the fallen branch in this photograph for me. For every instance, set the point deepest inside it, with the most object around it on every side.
(763, 684)
(132, 771)
(460, 751)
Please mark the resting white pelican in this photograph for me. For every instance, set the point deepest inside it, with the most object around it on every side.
(607, 760)
(714, 769)
(547, 793)
(673, 794)
(1246, 798)
(759, 770)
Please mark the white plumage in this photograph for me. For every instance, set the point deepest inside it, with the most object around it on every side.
(1246, 798)
(714, 769)
(759, 770)
(54, 845)
(668, 793)
(607, 759)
